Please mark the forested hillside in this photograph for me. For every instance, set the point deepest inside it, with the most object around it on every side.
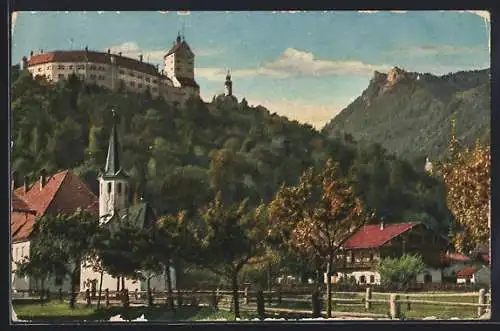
(410, 113)
(179, 157)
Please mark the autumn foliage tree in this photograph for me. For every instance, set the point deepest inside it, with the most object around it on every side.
(467, 179)
(316, 216)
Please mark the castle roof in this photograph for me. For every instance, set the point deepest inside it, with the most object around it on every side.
(93, 57)
(179, 46)
(63, 192)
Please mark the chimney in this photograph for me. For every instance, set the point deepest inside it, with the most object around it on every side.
(43, 178)
(26, 183)
(120, 53)
(382, 225)
(140, 57)
(109, 51)
(86, 48)
(41, 51)
(31, 53)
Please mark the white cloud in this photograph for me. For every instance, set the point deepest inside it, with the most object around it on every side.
(295, 63)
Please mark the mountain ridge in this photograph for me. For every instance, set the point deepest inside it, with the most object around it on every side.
(409, 113)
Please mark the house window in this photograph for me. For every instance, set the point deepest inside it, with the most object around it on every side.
(371, 256)
(92, 76)
(139, 76)
(427, 278)
(132, 74)
(61, 67)
(139, 85)
(119, 188)
(93, 67)
(372, 279)
(122, 72)
(39, 69)
(132, 84)
(362, 279)
(80, 67)
(70, 67)
(109, 187)
(58, 281)
(147, 79)
(60, 76)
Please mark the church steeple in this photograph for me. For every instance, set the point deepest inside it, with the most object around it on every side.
(113, 182)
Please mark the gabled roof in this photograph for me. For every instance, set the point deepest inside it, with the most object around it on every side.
(18, 204)
(140, 215)
(63, 192)
(372, 236)
(179, 46)
(466, 272)
(449, 258)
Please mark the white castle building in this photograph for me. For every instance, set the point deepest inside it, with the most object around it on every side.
(113, 207)
(175, 83)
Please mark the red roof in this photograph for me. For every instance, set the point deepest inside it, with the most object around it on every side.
(177, 46)
(18, 204)
(63, 193)
(466, 272)
(93, 57)
(371, 236)
(454, 258)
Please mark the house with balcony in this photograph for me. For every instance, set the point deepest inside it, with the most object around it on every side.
(363, 251)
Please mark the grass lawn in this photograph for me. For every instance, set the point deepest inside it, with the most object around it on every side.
(56, 311)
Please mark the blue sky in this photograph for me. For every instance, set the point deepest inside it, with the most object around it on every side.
(304, 65)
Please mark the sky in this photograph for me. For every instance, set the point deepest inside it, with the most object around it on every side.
(306, 65)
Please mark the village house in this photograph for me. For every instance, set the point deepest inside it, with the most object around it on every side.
(63, 192)
(362, 252)
(474, 275)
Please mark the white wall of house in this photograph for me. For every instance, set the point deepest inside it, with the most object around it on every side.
(463, 280)
(108, 282)
(361, 277)
(20, 250)
(436, 274)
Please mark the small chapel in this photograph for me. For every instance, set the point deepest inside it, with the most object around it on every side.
(114, 206)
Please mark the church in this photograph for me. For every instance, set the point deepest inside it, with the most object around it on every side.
(113, 207)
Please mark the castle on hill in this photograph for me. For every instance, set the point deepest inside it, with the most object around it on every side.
(175, 83)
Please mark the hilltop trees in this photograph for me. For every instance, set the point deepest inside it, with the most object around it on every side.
(316, 216)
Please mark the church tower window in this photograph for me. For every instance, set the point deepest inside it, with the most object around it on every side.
(109, 187)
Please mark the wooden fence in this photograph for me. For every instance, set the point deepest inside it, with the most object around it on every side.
(252, 300)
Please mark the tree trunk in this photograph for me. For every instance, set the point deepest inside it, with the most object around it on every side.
(170, 298)
(269, 278)
(72, 300)
(150, 295)
(329, 289)
(42, 283)
(100, 290)
(236, 303)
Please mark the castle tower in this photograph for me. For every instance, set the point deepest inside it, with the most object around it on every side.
(113, 181)
(228, 85)
(179, 62)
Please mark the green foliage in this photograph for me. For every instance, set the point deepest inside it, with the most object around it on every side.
(401, 270)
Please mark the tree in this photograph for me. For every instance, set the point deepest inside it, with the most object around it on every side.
(230, 237)
(317, 216)
(401, 271)
(61, 242)
(467, 180)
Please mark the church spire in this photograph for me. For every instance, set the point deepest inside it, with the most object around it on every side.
(113, 160)
(228, 84)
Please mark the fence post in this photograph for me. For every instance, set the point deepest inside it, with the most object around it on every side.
(61, 298)
(482, 300)
(179, 298)
(106, 297)
(395, 306)
(368, 297)
(408, 303)
(246, 295)
(260, 304)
